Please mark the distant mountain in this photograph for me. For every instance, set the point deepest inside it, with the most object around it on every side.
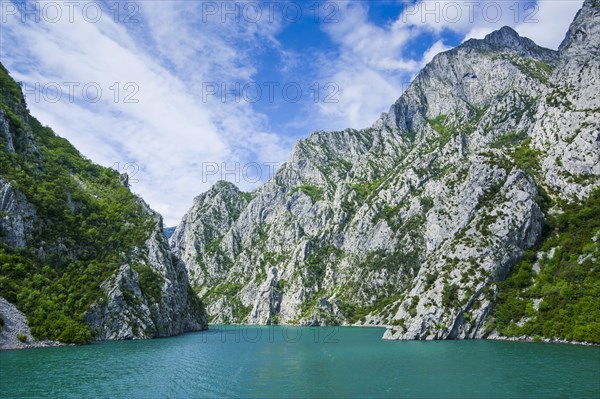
(168, 231)
(487, 167)
(81, 256)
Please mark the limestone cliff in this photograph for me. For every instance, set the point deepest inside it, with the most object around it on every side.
(412, 222)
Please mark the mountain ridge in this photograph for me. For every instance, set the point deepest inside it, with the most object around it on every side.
(82, 258)
(413, 222)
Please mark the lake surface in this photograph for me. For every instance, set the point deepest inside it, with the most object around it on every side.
(253, 361)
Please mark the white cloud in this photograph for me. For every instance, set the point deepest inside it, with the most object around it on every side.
(375, 64)
(550, 22)
(171, 131)
(435, 49)
(172, 53)
(369, 71)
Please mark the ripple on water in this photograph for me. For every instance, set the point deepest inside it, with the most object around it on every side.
(356, 364)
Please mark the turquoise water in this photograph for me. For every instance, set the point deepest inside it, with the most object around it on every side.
(251, 361)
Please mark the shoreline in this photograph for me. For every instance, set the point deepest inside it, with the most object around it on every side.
(492, 337)
(539, 340)
(32, 345)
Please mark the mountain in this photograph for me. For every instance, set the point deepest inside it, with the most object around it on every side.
(485, 168)
(168, 231)
(82, 257)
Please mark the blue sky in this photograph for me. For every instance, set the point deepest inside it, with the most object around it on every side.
(140, 82)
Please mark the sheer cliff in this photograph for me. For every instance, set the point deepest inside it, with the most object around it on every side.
(414, 222)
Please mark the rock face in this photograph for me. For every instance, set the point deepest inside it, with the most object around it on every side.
(79, 252)
(128, 312)
(211, 216)
(13, 325)
(567, 127)
(411, 222)
(17, 215)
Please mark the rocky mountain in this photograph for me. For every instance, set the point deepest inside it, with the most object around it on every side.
(416, 222)
(81, 256)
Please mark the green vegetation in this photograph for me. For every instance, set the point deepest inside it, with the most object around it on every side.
(366, 189)
(317, 261)
(527, 158)
(510, 139)
(86, 223)
(150, 281)
(383, 300)
(273, 258)
(281, 284)
(426, 203)
(22, 337)
(314, 192)
(353, 312)
(10, 91)
(406, 262)
(390, 215)
(567, 288)
(213, 246)
(229, 291)
(559, 97)
(412, 308)
(450, 296)
(439, 125)
(247, 196)
(534, 68)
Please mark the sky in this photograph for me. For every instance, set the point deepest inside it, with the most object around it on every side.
(181, 94)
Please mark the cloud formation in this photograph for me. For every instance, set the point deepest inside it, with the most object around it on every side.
(150, 110)
(376, 62)
(158, 63)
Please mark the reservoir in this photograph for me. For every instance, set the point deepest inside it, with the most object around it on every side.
(301, 362)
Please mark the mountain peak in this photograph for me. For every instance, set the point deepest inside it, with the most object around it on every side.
(224, 184)
(220, 188)
(505, 38)
(504, 35)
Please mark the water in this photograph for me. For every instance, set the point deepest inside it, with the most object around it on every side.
(300, 363)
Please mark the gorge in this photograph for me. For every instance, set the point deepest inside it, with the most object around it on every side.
(471, 209)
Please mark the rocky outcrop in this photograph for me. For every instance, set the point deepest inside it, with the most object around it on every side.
(14, 331)
(412, 222)
(76, 246)
(453, 302)
(200, 232)
(567, 127)
(165, 306)
(16, 216)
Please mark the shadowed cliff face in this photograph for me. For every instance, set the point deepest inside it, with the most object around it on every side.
(412, 222)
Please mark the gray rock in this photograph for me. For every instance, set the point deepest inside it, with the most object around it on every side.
(14, 323)
(128, 313)
(411, 222)
(17, 216)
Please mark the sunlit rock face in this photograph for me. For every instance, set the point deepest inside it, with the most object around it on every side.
(411, 222)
